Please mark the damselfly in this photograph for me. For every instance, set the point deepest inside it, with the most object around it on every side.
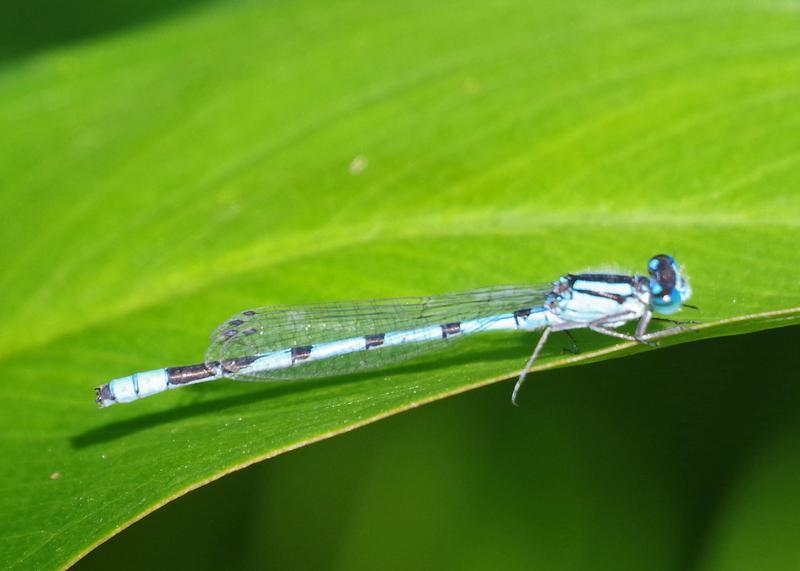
(286, 343)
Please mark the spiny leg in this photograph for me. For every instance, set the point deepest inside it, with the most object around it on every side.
(574, 349)
(641, 328)
(678, 323)
(599, 326)
(565, 327)
(529, 364)
(641, 335)
(666, 332)
(644, 321)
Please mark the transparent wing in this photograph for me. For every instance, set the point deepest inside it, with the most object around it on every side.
(267, 329)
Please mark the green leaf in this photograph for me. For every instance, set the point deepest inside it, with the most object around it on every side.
(604, 468)
(244, 154)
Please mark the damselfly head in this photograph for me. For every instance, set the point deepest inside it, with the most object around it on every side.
(669, 288)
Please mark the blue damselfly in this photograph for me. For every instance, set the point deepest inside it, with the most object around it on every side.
(285, 343)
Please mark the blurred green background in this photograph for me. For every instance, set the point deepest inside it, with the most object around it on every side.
(165, 164)
(31, 27)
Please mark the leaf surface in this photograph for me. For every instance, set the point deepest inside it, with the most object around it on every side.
(246, 154)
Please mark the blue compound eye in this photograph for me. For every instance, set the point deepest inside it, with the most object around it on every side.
(669, 303)
(664, 276)
(663, 273)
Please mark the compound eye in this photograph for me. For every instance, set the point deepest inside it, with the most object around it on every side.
(662, 273)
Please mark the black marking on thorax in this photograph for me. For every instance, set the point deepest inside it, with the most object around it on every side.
(375, 340)
(604, 294)
(300, 353)
(608, 278)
